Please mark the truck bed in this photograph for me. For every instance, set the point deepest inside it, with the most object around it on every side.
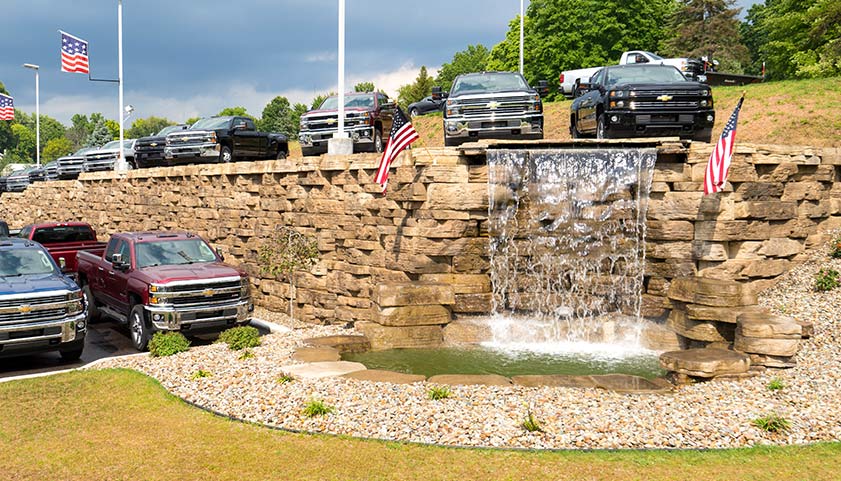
(70, 250)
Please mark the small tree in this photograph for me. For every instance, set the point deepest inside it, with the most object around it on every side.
(413, 92)
(56, 148)
(285, 252)
(364, 87)
(99, 136)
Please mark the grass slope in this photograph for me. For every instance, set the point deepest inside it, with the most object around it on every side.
(117, 424)
(795, 112)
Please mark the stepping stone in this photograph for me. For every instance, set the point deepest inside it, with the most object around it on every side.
(342, 343)
(377, 375)
(553, 380)
(471, 379)
(316, 354)
(316, 370)
(624, 383)
(706, 363)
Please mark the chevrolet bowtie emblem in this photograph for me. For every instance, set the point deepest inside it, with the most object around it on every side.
(25, 309)
(493, 105)
(208, 292)
(331, 121)
(154, 144)
(665, 98)
(185, 138)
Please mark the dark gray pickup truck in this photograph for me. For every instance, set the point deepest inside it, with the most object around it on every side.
(224, 139)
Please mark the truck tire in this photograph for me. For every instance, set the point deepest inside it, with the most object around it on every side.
(72, 353)
(281, 154)
(573, 130)
(414, 112)
(225, 155)
(378, 141)
(601, 128)
(94, 315)
(138, 329)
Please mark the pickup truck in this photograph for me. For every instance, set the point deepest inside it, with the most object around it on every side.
(64, 241)
(642, 101)
(149, 151)
(105, 157)
(164, 281)
(495, 105)
(368, 119)
(70, 166)
(224, 139)
(689, 67)
(41, 309)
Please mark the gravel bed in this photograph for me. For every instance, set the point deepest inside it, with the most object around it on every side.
(716, 414)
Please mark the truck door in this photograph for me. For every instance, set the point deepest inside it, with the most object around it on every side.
(587, 107)
(98, 276)
(117, 280)
(246, 140)
(386, 114)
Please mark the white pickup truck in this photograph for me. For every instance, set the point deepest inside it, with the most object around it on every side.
(690, 68)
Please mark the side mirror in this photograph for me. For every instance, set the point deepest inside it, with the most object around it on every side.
(219, 253)
(580, 88)
(439, 94)
(62, 263)
(542, 88)
(118, 262)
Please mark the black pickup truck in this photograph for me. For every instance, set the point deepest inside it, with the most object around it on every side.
(224, 139)
(368, 119)
(642, 101)
(149, 151)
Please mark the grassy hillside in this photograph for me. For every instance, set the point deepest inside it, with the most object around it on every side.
(796, 112)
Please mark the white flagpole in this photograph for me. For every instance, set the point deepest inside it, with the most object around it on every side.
(341, 132)
(121, 161)
(522, 30)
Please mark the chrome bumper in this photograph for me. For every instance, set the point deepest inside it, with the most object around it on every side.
(360, 135)
(527, 125)
(172, 318)
(195, 150)
(70, 327)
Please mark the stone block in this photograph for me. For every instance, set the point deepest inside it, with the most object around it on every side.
(341, 343)
(473, 303)
(708, 331)
(729, 315)
(705, 363)
(412, 337)
(767, 325)
(769, 210)
(377, 375)
(670, 268)
(765, 346)
(660, 337)
(732, 230)
(665, 172)
(669, 230)
(780, 247)
(777, 362)
(710, 292)
(554, 380)
(316, 354)
(457, 196)
(466, 331)
(777, 173)
(461, 283)
(412, 316)
(804, 191)
(764, 191)
(413, 294)
(766, 268)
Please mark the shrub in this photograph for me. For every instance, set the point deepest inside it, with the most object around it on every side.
(165, 344)
(531, 424)
(285, 378)
(835, 252)
(238, 338)
(247, 354)
(201, 373)
(772, 423)
(776, 384)
(826, 280)
(436, 393)
(317, 408)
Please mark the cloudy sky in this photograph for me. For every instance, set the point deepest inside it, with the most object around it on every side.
(184, 58)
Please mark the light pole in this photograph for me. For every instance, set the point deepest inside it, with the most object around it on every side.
(121, 165)
(522, 30)
(37, 115)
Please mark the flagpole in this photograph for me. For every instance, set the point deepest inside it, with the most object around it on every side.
(121, 161)
(522, 34)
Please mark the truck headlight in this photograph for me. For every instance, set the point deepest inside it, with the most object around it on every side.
(618, 94)
(245, 288)
(212, 137)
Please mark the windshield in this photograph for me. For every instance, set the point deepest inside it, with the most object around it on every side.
(111, 145)
(170, 129)
(24, 262)
(364, 101)
(173, 253)
(84, 150)
(647, 74)
(489, 82)
(211, 123)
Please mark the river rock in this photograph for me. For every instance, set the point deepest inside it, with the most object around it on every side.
(706, 363)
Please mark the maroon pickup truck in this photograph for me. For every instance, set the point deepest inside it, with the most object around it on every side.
(164, 281)
(64, 240)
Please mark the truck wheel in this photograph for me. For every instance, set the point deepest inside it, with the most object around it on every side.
(414, 112)
(138, 329)
(573, 130)
(281, 154)
(378, 141)
(93, 312)
(601, 128)
(72, 354)
(225, 155)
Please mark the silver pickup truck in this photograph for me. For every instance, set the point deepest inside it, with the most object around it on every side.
(495, 105)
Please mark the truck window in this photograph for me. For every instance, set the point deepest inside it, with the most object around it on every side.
(111, 249)
(52, 235)
(249, 125)
(24, 233)
(125, 251)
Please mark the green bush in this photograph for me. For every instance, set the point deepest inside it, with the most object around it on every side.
(238, 338)
(835, 251)
(201, 373)
(168, 343)
(826, 280)
(772, 423)
(436, 393)
(247, 354)
(285, 378)
(776, 384)
(317, 408)
(531, 424)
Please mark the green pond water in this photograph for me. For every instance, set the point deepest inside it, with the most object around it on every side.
(483, 360)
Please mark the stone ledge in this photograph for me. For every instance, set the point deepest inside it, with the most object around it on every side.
(705, 363)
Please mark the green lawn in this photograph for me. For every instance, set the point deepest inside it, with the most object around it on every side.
(117, 424)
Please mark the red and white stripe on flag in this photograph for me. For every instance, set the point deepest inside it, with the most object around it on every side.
(402, 135)
(719, 164)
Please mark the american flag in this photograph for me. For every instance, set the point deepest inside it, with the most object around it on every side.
(402, 135)
(7, 107)
(719, 163)
(74, 54)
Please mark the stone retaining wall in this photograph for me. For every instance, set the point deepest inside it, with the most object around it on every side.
(432, 224)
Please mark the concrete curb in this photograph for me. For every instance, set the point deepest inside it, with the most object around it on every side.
(89, 365)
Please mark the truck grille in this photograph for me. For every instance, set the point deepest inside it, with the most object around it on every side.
(186, 138)
(659, 105)
(204, 294)
(18, 311)
(495, 106)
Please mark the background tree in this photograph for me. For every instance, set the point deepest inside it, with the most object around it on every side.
(364, 87)
(192, 120)
(279, 116)
(319, 99)
(472, 59)
(56, 148)
(236, 111)
(23, 151)
(113, 129)
(707, 28)
(79, 130)
(100, 135)
(146, 127)
(568, 34)
(413, 92)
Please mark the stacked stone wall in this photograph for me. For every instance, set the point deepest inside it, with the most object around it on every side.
(431, 226)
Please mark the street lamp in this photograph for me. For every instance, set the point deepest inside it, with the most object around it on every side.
(37, 115)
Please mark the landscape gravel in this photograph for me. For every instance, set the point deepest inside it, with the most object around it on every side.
(716, 414)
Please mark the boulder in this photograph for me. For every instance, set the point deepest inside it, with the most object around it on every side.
(769, 347)
(341, 343)
(316, 354)
(708, 331)
(470, 379)
(705, 363)
(710, 292)
(413, 294)
(767, 325)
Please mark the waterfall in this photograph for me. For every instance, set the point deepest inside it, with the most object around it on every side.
(567, 244)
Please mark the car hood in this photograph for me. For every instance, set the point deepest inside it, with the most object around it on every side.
(28, 284)
(149, 140)
(663, 86)
(322, 113)
(496, 95)
(71, 157)
(190, 272)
